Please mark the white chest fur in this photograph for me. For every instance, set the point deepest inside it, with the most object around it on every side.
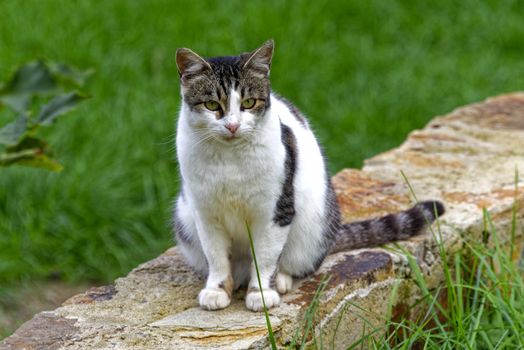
(231, 184)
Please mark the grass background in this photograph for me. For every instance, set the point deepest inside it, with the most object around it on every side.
(365, 72)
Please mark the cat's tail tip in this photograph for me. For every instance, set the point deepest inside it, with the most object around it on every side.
(431, 209)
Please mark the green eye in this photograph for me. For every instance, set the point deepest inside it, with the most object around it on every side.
(248, 103)
(212, 105)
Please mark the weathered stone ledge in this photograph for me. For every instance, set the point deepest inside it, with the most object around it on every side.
(467, 159)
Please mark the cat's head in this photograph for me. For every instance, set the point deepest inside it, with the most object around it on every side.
(226, 97)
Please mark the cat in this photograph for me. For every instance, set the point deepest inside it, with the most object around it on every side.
(249, 160)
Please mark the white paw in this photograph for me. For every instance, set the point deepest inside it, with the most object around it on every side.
(254, 299)
(284, 282)
(213, 299)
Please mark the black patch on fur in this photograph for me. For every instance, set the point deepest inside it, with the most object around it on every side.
(285, 208)
(294, 110)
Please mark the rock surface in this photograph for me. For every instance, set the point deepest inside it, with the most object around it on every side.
(467, 158)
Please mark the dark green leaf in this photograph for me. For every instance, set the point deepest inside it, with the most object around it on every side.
(29, 79)
(30, 151)
(18, 103)
(69, 73)
(58, 106)
(11, 133)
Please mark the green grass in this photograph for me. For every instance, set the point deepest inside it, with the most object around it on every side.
(479, 305)
(365, 72)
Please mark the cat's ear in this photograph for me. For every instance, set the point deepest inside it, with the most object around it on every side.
(259, 61)
(189, 63)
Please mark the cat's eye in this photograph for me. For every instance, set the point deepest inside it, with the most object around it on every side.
(212, 105)
(248, 103)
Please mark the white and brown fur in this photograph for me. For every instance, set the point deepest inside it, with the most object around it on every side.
(260, 168)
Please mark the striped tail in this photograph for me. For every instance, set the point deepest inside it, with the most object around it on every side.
(389, 228)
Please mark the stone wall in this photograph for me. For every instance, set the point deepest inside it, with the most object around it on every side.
(467, 159)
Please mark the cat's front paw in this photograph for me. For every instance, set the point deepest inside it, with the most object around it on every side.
(254, 299)
(213, 298)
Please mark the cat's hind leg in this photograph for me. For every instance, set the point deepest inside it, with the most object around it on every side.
(186, 236)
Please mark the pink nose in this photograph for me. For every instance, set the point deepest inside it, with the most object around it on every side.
(232, 127)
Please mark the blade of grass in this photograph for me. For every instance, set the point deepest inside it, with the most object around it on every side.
(514, 215)
(266, 314)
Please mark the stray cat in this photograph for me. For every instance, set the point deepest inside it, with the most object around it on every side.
(248, 158)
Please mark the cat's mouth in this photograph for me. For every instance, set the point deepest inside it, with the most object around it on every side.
(232, 139)
(231, 136)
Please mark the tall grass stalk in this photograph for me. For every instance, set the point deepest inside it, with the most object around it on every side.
(266, 314)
